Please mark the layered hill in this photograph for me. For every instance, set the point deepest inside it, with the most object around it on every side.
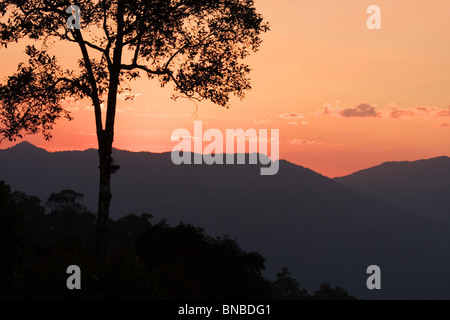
(318, 228)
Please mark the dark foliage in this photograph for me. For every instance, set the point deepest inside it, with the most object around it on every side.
(12, 240)
(196, 266)
(145, 260)
(326, 292)
(287, 288)
(196, 46)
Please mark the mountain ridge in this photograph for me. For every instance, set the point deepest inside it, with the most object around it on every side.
(318, 228)
(421, 187)
(395, 163)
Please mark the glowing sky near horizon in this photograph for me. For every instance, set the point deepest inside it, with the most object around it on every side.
(344, 97)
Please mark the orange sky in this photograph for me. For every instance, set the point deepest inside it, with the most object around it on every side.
(319, 55)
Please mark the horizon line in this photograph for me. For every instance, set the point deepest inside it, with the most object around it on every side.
(168, 152)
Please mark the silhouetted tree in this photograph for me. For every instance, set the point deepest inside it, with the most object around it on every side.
(155, 261)
(68, 217)
(287, 288)
(326, 292)
(124, 231)
(198, 46)
(194, 266)
(64, 200)
(29, 205)
(13, 256)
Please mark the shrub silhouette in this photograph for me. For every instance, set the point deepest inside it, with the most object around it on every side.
(195, 265)
(197, 47)
(287, 288)
(326, 292)
(145, 260)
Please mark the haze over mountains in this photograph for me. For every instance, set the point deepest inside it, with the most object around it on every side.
(422, 187)
(318, 228)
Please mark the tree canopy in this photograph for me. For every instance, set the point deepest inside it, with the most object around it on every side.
(147, 261)
(197, 45)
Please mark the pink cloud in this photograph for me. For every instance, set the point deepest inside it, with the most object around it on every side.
(399, 113)
(444, 113)
(264, 121)
(291, 116)
(302, 142)
(367, 111)
(364, 110)
(422, 112)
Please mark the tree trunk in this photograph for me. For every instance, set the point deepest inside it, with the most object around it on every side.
(104, 153)
(105, 141)
(104, 195)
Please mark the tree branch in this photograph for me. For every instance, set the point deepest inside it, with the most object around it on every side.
(136, 52)
(62, 13)
(201, 42)
(114, 74)
(91, 45)
(144, 68)
(108, 37)
(183, 91)
(74, 83)
(94, 94)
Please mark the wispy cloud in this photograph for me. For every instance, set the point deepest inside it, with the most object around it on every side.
(365, 110)
(291, 116)
(302, 142)
(180, 138)
(295, 123)
(71, 101)
(83, 133)
(128, 96)
(362, 111)
(264, 121)
(317, 143)
(422, 112)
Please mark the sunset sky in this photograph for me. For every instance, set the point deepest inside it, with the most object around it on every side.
(343, 97)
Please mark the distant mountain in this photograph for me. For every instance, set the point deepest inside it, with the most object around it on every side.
(319, 229)
(422, 187)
